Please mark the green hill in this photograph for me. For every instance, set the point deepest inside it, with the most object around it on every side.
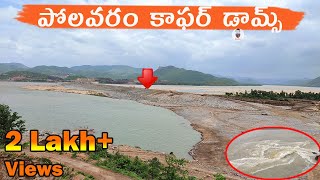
(314, 83)
(112, 71)
(52, 70)
(28, 76)
(6, 67)
(180, 76)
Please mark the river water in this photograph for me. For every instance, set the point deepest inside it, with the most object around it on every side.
(128, 122)
(272, 153)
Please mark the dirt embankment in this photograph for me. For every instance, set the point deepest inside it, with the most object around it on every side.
(218, 119)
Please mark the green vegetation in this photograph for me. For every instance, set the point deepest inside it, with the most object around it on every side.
(28, 76)
(257, 94)
(73, 77)
(115, 74)
(180, 76)
(219, 177)
(314, 83)
(6, 67)
(113, 71)
(25, 145)
(2, 146)
(9, 121)
(123, 74)
(138, 169)
(51, 70)
(45, 161)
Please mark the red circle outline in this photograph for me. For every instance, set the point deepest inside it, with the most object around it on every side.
(271, 127)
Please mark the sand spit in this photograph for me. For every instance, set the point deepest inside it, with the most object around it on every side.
(218, 119)
(58, 88)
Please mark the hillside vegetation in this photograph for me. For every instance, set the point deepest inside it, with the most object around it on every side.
(28, 76)
(6, 67)
(52, 70)
(113, 72)
(180, 76)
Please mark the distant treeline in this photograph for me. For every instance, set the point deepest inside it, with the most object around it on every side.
(258, 94)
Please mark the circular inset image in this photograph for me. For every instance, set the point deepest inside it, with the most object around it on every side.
(273, 153)
(238, 34)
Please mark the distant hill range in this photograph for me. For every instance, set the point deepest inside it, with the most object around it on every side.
(121, 74)
(314, 82)
(110, 74)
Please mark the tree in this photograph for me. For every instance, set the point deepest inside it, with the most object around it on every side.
(9, 121)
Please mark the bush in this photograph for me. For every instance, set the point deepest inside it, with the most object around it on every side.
(219, 177)
(25, 145)
(175, 168)
(99, 153)
(45, 161)
(155, 168)
(277, 96)
(74, 155)
(139, 169)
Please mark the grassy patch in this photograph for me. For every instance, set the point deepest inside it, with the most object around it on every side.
(139, 169)
(219, 177)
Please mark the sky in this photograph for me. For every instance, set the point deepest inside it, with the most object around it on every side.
(262, 54)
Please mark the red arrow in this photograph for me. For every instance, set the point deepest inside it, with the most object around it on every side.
(147, 79)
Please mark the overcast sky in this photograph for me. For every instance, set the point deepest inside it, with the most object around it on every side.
(290, 54)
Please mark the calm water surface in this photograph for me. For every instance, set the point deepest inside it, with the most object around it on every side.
(128, 122)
